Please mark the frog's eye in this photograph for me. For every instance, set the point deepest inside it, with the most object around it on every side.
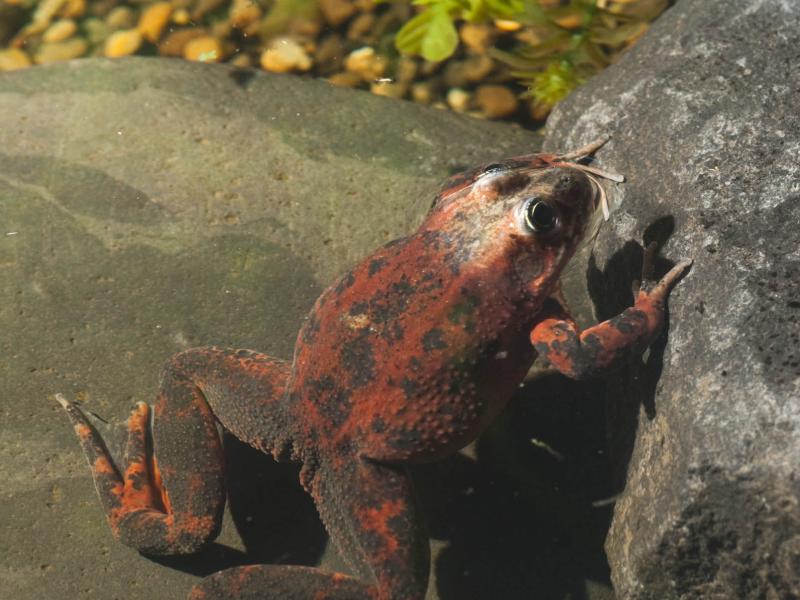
(540, 217)
(493, 168)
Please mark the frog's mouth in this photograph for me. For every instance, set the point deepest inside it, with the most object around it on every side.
(571, 159)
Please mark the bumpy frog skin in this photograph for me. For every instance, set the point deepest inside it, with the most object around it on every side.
(405, 359)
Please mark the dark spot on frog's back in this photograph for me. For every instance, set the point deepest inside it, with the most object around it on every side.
(358, 359)
(332, 402)
(242, 77)
(433, 340)
(344, 283)
(375, 265)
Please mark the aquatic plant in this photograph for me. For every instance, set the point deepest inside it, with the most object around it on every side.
(556, 45)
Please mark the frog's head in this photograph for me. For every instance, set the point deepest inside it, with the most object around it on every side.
(526, 214)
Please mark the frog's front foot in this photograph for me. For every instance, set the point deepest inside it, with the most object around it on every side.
(579, 354)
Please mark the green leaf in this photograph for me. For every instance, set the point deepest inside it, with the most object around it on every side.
(431, 34)
(442, 38)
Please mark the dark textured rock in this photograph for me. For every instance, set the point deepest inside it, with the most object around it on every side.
(151, 205)
(704, 114)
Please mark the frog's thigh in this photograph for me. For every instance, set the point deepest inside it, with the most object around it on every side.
(370, 512)
(197, 385)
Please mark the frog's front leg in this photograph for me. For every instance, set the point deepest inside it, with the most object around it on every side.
(169, 499)
(579, 354)
(368, 508)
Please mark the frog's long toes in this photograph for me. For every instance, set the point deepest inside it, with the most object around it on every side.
(662, 287)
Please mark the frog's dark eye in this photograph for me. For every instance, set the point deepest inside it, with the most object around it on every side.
(540, 217)
(493, 168)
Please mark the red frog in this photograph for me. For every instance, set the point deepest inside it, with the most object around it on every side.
(404, 360)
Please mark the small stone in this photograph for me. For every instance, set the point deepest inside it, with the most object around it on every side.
(345, 79)
(74, 9)
(203, 49)
(285, 55)
(96, 30)
(477, 36)
(362, 27)
(329, 55)
(12, 59)
(60, 31)
(153, 20)
(406, 69)
(58, 51)
(202, 7)
(337, 12)
(122, 17)
(180, 16)
(458, 99)
(507, 25)
(241, 60)
(422, 92)
(496, 101)
(122, 43)
(464, 72)
(390, 89)
(175, 41)
(244, 14)
(366, 63)
(364, 6)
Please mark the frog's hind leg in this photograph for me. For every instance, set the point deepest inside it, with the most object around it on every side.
(168, 496)
(369, 511)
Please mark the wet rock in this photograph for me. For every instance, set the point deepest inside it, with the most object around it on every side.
(706, 434)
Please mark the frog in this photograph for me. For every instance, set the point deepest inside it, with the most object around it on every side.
(403, 360)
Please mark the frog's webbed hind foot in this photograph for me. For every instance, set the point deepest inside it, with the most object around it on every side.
(369, 511)
(129, 484)
(166, 495)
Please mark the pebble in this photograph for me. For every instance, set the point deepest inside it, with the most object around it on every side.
(285, 55)
(95, 30)
(153, 20)
(203, 49)
(337, 12)
(122, 17)
(496, 101)
(180, 16)
(245, 15)
(12, 59)
(389, 89)
(345, 79)
(122, 43)
(458, 99)
(477, 36)
(74, 9)
(60, 31)
(366, 63)
(329, 55)
(422, 92)
(464, 72)
(175, 41)
(362, 27)
(58, 51)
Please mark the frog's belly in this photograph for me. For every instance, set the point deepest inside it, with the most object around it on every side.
(444, 413)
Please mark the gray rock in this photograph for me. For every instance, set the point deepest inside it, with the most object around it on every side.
(151, 205)
(704, 114)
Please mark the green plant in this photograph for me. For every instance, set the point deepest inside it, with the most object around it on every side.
(559, 44)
